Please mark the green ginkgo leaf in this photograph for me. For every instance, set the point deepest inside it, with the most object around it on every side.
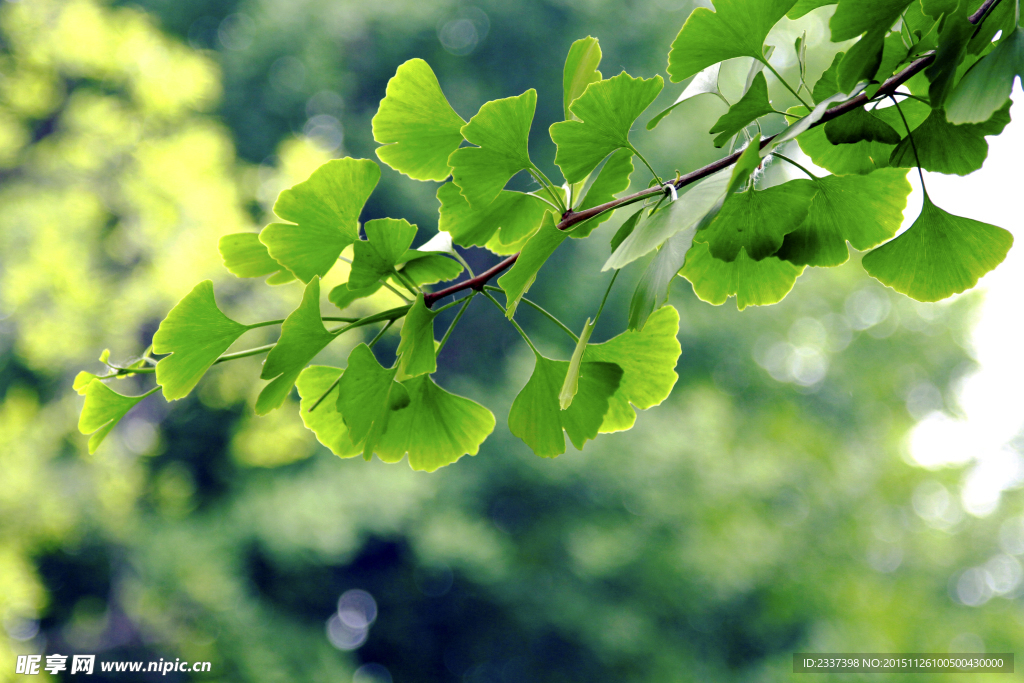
(537, 419)
(343, 296)
(753, 105)
(860, 125)
(757, 220)
(426, 269)
(367, 397)
(939, 255)
(828, 84)
(435, 428)
(514, 214)
(501, 133)
(735, 28)
(416, 125)
(864, 210)
(103, 409)
(753, 283)
(325, 421)
(82, 381)
(612, 179)
(648, 360)
(245, 256)
(953, 38)
(803, 7)
(387, 240)
(580, 71)
(986, 87)
(862, 60)
(324, 212)
(303, 335)
(945, 148)
(538, 249)
(607, 110)
(653, 288)
(195, 333)
(572, 376)
(854, 17)
(704, 83)
(626, 229)
(416, 353)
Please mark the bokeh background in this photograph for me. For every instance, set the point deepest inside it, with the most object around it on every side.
(840, 472)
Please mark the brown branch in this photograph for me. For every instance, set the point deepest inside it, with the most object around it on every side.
(571, 218)
(982, 11)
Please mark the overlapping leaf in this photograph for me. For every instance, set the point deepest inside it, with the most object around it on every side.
(368, 395)
(103, 409)
(416, 350)
(343, 296)
(607, 111)
(520, 277)
(195, 333)
(653, 289)
(753, 283)
(612, 179)
(245, 256)
(704, 83)
(325, 422)
(303, 335)
(512, 216)
(648, 360)
(864, 210)
(986, 87)
(580, 71)
(501, 133)
(536, 416)
(939, 255)
(736, 28)
(753, 105)
(945, 148)
(860, 125)
(324, 213)
(387, 240)
(417, 126)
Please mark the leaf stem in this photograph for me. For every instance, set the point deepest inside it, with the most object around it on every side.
(390, 314)
(649, 168)
(394, 291)
(458, 316)
(787, 159)
(244, 354)
(537, 307)
(608, 291)
(511, 320)
(373, 342)
(913, 145)
(786, 83)
(458, 257)
(541, 178)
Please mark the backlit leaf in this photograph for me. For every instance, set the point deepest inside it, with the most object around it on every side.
(612, 179)
(103, 409)
(752, 106)
(986, 87)
(387, 240)
(607, 110)
(195, 333)
(245, 256)
(653, 288)
(860, 125)
(342, 296)
(520, 277)
(416, 350)
(367, 397)
(324, 212)
(514, 214)
(704, 83)
(501, 131)
(945, 148)
(417, 126)
(572, 375)
(939, 255)
(753, 283)
(864, 210)
(430, 268)
(735, 28)
(580, 70)
(325, 422)
(854, 17)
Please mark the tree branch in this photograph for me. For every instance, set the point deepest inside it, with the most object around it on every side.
(571, 218)
(982, 11)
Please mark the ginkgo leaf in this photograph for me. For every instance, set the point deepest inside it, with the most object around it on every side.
(986, 87)
(580, 70)
(704, 83)
(435, 428)
(103, 409)
(195, 333)
(803, 7)
(757, 220)
(607, 110)
(753, 283)
(245, 256)
(427, 269)
(854, 17)
(954, 35)
(82, 381)
(945, 148)
(343, 296)
(325, 210)
(416, 350)
(802, 125)
(572, 375)
(653, 288)
(753, 105)
(860, 125)
(387, 240)
(648, 360)
(862, 59)
(626, 229)
(684, 214)
(325, 421)
(939, 255)
(417, 126)
(536, 418)
(515, 214)
(501, 133)
(303, 335)
(864, 210)
(735, 28)
(828, 84)
(521, 275)
(612, 179)
(367, 397)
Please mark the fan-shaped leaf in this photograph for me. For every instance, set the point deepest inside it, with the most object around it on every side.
(939, 255)
(416, 350)
(387, 240)
(606, 111)
(501, 131)
(704, 83)
(416, 124)
(612, 179)
(580, 70)
(752, 106)
(245, 256)
(103, 409)
(652, 290)
(520, 277)
(325, 422)
(195, 333)
(860, 125)
(342, 296)
(854, 17)
(753, 283)
(426, 269)
(514, 214)
(367, 397)
(325, 210)
(945, 148)
(985, 88)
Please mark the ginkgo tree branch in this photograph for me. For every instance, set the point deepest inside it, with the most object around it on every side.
(571, 218)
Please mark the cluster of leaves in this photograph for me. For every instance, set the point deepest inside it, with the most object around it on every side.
(726, 235)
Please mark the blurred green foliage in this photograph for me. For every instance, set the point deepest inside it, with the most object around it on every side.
(767, 507)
